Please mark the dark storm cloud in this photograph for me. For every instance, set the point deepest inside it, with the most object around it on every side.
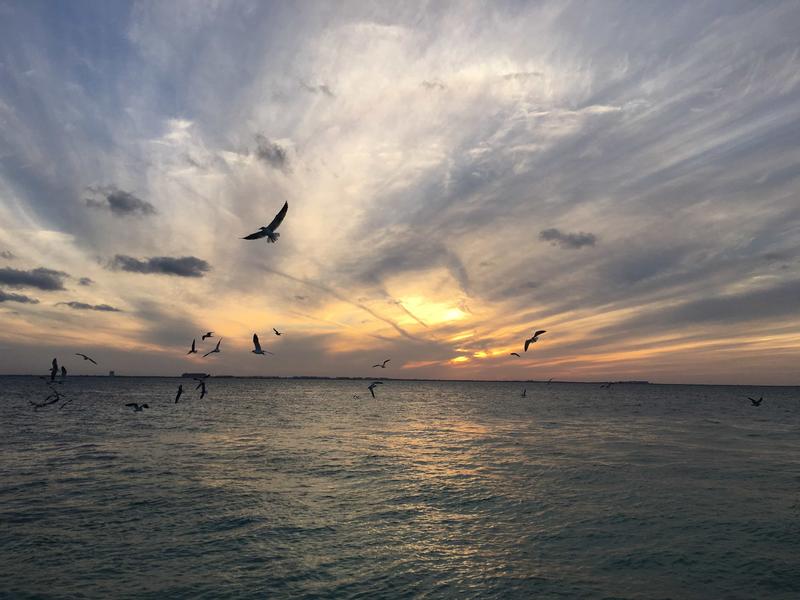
(5, 297)
(41, 278)
(85, 281)
(184, 266)
(8, 255)
(567, 240)
(120, 202)
(271, 152)
(85, 306)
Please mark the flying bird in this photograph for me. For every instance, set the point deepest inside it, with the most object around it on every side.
(607, 385)
(383, 364)
(756, 402)
(257, 349)
(524, 393)
(214, 350)
(515, 354)
(269, 231)
(193, 350)
(137, 407)
(276, 331)
(178, 395)
(535, 338)
(207, 335)
(63, 371)
(371, 387)
(85, 357)
(203, 385)
(54, 370)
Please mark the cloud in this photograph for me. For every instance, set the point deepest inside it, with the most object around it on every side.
(567, 240)
(84, 306)
(271, 152)
(120, 202)
(185, 266)
(85, 281)
(433, 85)
(5, 297)
(7, 254)
(322, 88)
(41, 278)
(523, 75)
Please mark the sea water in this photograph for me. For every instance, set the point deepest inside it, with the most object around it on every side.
(313, 489)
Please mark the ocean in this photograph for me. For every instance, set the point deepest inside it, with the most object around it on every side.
(298, 489)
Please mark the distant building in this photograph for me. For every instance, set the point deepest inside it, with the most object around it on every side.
(195, 375)
(111, 373)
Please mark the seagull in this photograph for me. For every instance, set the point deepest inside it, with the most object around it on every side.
(535, 338)
(371, 387)
(137, 407)
(203, 385)
(54, 370)
(756, 402)
(207, 335)
(257, 345)
(356, 397)
(180, 391)
(515, 354)
(85, 357)
(383, 364)
(214, 350)
(269, 231)
(63, 371)
(524, 393)
(193, 350)
(607, 385)
(276, 331)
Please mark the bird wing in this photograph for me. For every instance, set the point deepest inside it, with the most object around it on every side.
(540, 332)
(386, 361)
(371, 391)
(255, 342)
(514, 354)
(55, 365)
(279, 217)
(91, 360)
(527, 343)
(257, 235)
(132, 404)
(276, 331)
(751, 399)
(207, 353)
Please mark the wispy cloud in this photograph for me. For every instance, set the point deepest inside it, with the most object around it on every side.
(84, 306)
(184, 266)
(120, 202)
(6, 297)
(568, 240)
(271, 152)
(8, 255)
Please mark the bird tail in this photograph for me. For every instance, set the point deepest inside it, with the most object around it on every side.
(273, 237)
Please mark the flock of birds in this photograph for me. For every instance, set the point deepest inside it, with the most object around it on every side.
(269, 232)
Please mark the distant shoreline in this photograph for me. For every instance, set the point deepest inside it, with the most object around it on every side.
(322, 378)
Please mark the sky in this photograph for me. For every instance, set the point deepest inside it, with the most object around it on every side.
(622, 174)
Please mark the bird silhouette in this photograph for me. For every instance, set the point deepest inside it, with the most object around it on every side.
(534, 338)
(215, 350)
(207, 335)
(515, 354)
(137, 407)
(86, 357)
(269, 231)
(193, 350)
(276, 331)
(257, 346)
(383, 364)
(371, 387)
(756, 402)
(178, 395)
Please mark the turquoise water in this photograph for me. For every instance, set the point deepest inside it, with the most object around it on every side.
(295, 489)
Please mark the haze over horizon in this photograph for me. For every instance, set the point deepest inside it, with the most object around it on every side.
(623, 175)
